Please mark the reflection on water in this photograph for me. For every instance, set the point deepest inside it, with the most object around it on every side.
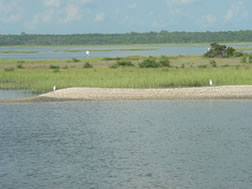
(126, 144)
(57, 52)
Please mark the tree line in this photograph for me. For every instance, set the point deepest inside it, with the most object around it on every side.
(126, 38)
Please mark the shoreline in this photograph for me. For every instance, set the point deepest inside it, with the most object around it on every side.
(194, 93)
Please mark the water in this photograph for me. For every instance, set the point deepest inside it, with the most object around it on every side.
(12, 94)
(126, 144)
(49, 52)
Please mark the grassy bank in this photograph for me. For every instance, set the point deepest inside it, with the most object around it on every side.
(186, 71)
(44, 79)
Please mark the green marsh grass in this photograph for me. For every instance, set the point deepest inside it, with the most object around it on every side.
(244, 48)
(42, 80)
(20, 66)
(54, 67)
(182, 72)
(87, 65)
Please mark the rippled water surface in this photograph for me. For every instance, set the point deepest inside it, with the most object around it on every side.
(126, 144)
(12, 94)
(58, 52)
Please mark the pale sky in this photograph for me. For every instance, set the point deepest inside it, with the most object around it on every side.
(122, 16)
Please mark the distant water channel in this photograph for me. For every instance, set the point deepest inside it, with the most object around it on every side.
(58, 52)
(126, 144)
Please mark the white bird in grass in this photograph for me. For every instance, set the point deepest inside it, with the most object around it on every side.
(54, 88)
(210, 82)
(87, 53)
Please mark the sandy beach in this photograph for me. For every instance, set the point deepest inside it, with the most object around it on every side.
(228, 92)
(223, 92)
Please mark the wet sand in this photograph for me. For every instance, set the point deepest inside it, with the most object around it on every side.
(223, 92)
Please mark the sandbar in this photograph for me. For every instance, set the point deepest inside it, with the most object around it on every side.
(220, 92)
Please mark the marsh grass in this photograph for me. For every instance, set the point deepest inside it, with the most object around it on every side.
(111, 58)
(42, 79)
(87, 65)
(244, 48)
(20, 66)
(75, 60)
(9, 69)
(21, 61)
(54, 67)
(56, 70)
(250, 59)
(125, 63)
(65, 67)
(114, 66)
(189, 61)
(243, 59)
(213, 63)
(41, 75)
(202, 66)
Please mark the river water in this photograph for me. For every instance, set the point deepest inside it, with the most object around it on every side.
(126, 144)
(13, 94)
(57, 52)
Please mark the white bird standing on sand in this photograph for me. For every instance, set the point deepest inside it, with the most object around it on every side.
(210, 82)
(87, 53)
(54, 88)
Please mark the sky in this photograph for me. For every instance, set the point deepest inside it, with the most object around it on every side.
(123, 16)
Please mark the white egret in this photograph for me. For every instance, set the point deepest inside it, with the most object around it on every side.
(87, 53)
(210, 82)
(54, 88)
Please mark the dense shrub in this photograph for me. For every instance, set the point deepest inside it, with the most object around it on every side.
(75, 60)
(111, 58)
(202, 66)
(125, 63)
(221, 51)
(164, 61)
(149, 63)
(244, 59)
(20, 66)
(54, 67)
(213, 63)
(230, 51)
(87, 65)
(250, 59)
(238, 54)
